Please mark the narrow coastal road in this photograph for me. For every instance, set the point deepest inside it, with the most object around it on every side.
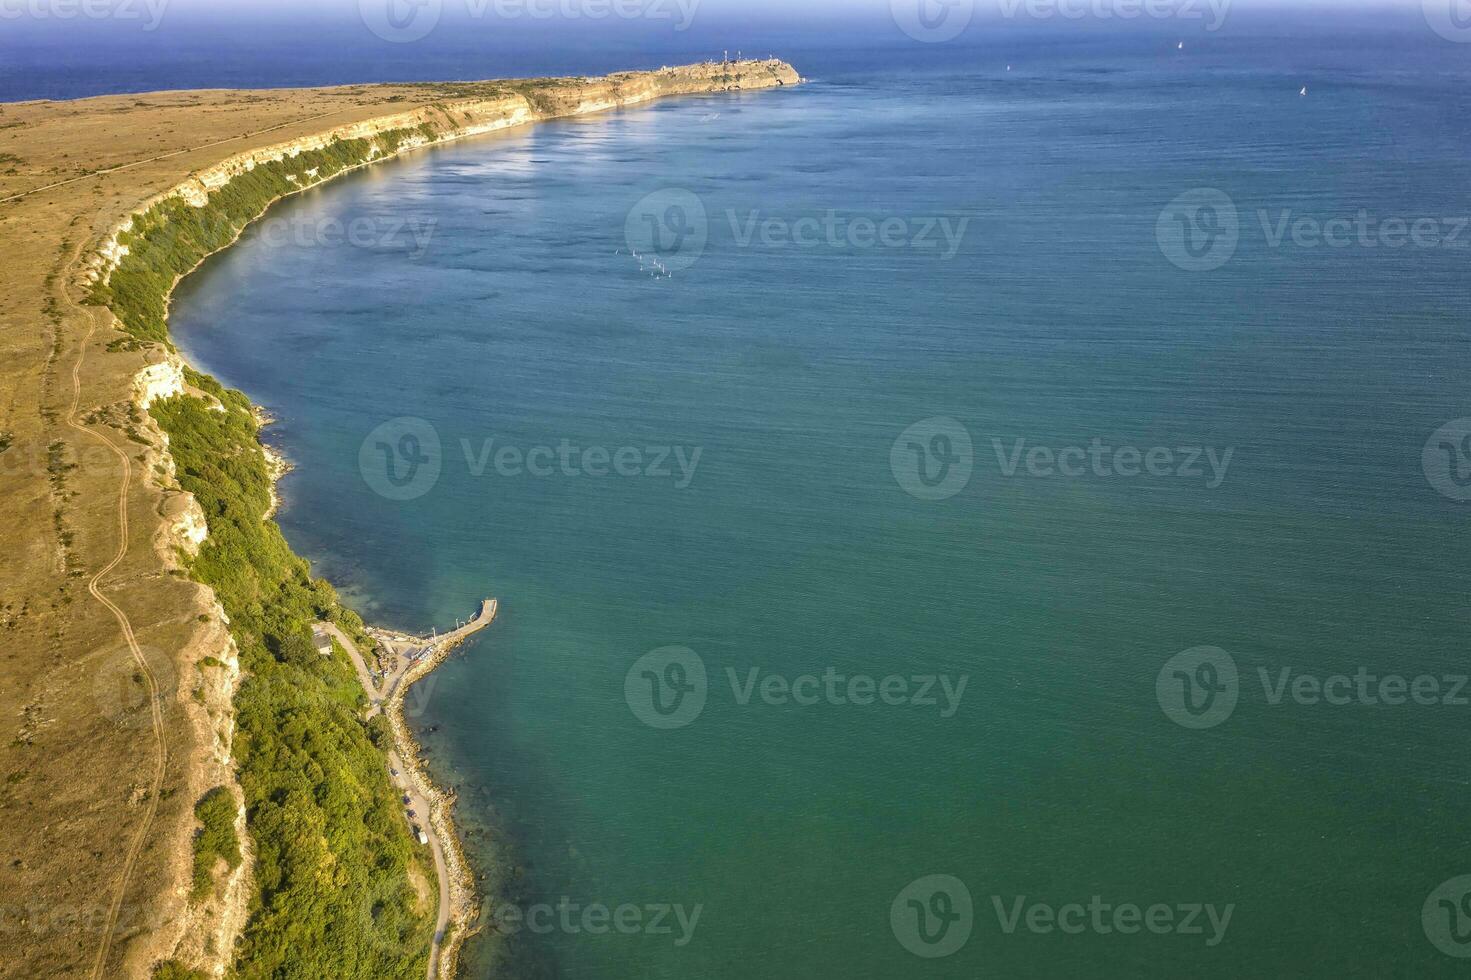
(486, 616)
(364, 675)
(420, 805)
(123, 813)
(397, 773)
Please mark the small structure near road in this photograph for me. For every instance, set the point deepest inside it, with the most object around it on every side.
(322, 640)
(416, 650)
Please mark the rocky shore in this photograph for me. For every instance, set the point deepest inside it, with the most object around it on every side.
(97, 176)
(464, 911)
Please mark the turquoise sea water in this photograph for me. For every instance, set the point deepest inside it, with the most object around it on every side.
(796, 548)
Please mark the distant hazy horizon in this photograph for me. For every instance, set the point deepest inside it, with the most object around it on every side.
(146, 45)
(995, 506)
(808, 368)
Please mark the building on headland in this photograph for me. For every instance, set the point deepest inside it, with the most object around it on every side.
(322, 640)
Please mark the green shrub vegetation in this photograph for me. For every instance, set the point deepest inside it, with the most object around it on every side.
(215, 838)
(173, 236)
(333, 857)
(172, 970)
(333, 853)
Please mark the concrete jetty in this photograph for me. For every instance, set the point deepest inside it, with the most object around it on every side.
(432, 821)
(485, 618)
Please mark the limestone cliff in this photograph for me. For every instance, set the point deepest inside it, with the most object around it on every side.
(474, 109)
(202, 935)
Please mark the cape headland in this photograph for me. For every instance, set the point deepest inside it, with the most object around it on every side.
(186, 783)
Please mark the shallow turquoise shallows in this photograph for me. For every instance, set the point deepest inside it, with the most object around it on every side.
(1103, 243)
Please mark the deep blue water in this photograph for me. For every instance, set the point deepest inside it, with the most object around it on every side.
(797, 548)
(152, 45)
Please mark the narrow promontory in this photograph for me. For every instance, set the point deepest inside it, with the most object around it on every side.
(186, 784)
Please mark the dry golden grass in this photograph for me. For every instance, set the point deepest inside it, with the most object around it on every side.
(78, 743)
(77, 749)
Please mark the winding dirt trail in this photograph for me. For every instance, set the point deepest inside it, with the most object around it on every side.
(94, 586)
(85, 795)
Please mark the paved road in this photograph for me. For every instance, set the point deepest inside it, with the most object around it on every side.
(417, 801)
(420, 805)
(382, 694)
(364, 675)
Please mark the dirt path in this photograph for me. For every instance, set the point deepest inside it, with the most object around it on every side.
(94, 781)
(160, 754)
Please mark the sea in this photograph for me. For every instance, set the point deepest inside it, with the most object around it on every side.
(997, 509)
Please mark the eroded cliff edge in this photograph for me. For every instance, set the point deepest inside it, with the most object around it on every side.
(80, 233)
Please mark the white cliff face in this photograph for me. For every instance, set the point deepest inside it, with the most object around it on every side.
(113, 252)
(206, 935)
(183, 528)
(157, 382)
(194, 194)
(188, 527)
(470, 117)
